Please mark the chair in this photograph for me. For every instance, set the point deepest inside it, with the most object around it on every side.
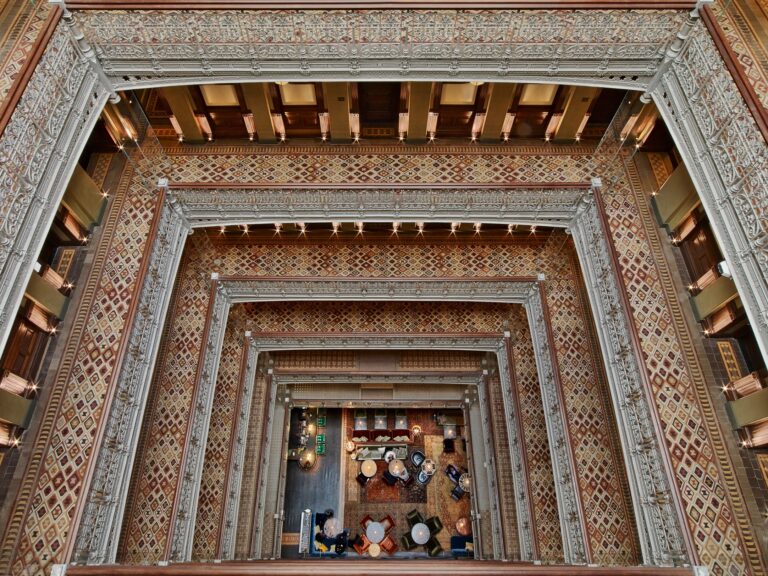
(362, 479)
(407, 541)
(449, 446)
(453, 473)
(423, 478)
(417, 457)
(433, 547)
(362, 548)
(414, 517)
(388, 544)
(365, 521)
(457, 493)
(389, 478)
(387, 522)
(434, 524)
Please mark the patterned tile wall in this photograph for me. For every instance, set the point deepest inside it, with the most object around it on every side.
(600, 470)
(213, 486)
(63, 447)
(253, 446)
(711, 497)
(22, 24)
(157, 466)
(358, 259)
(380, 164)
(713, 503)
(536, 443)
(745, 24)
(506, 488)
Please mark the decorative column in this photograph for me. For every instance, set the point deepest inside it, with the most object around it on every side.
(568, 503)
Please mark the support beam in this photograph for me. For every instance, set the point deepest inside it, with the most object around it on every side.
(713, 297)
(182, 107)
(337, 102)
(676, 199)
(84, 199)
(498, 104)
(46, 296)
(419, 102)
(257, 101)
(576, 107)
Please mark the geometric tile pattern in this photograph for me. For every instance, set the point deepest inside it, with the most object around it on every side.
(253, 446)
(729, 359)
(535, 442)
(689, 424)
(601, 475)
(711, 497)
(294, 164)
(156, 471)
(503, 462)
(740, 22)
(83, 378)
(157, 475)
(210, 505)
(660, 166)
(18, 40)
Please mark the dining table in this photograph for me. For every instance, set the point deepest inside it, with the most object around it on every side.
(420, 533)
(368, 468)
(375, 532)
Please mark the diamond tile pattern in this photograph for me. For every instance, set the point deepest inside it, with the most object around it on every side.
(86, 378)
(292, 164)
(24, 28)
(600, 471)
(213, 485)
(711, 498)
(157, 476)
(689, 424)
(536, 443)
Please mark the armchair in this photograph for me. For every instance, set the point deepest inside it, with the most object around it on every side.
(407, 541)
(434, 524)
(433, 547)
(414, 517)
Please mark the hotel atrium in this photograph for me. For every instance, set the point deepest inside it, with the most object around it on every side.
(314, 286)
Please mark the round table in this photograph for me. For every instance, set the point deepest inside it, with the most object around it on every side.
(465, 482)
(428, 466)
(420, 533)
(368, 468)
(332, 527)
(375, 532)
(396, 467)
(374, 550)
(464, 526)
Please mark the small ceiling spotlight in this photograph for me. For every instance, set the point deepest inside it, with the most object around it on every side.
(278, 227)
(222, 230)
(454, 227)
(477, 227)
(395, 227)
(420, 228)
(533, 229)
(302, 228)
(359, 226)
(245, 229)
(335, 227)
(511, 228)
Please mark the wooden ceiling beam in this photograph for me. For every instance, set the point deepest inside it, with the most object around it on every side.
(257, 100)
(499, 102)
(419, 101)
